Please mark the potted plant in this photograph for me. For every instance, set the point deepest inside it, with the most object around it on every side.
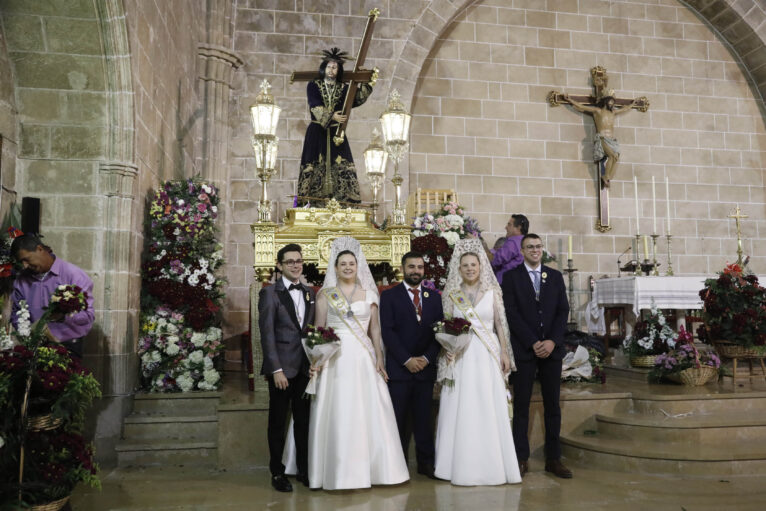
(685, 363)
(651, 336)
(734, 313)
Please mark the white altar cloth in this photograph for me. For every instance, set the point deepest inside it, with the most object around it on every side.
(638, 292)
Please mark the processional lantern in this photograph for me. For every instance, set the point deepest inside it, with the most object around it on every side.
(395, 122)
(265, 117)
(375, 160)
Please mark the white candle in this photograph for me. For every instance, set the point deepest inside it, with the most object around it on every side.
(667, 203)
(569, 253)
(646, 248)
(654, 209)
(635, 190)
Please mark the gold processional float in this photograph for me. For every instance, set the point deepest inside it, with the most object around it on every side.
(314, 228)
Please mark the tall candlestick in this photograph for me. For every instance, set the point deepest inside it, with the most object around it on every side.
(635, 191)
(654, 208)
(646, 248)
(569, 252)
(667, 203)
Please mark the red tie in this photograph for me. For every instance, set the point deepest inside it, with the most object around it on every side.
(416, 301)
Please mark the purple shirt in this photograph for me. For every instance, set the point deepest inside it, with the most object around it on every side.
(507, 257)
(37, 289)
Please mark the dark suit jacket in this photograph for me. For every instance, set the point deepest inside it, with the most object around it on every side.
(404, 337)
(531, 320)
(280, 331)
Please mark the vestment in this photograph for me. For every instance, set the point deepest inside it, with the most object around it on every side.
(507, 257)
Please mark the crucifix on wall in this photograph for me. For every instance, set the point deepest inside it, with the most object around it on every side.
(603, 106)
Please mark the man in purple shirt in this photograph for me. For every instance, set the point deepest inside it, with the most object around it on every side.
(507, 256)
(43, 273)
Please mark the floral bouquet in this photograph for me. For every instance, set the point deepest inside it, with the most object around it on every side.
(69, 299)
(320, 344)
(651, 336)
(685, 356)
(448, 222)
(454, 335)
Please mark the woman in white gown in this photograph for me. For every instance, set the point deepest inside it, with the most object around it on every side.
(474, 443)
(353, 438)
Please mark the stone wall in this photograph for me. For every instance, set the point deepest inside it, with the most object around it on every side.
(475, 75)
(8, 134)
(482, 126)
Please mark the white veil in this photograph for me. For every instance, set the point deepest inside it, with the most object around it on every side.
(487, 282)
(363, 273)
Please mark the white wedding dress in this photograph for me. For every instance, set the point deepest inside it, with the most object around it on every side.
(353, 438)
(474, 443)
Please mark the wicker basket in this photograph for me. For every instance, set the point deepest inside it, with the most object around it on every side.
(43, 423)
(731, 350)
(645, 361)
(695, 376)
(51, 506)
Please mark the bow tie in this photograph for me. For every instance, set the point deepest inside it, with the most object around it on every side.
(295, 286)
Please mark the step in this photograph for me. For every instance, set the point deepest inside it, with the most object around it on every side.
(176, 404)
(203, 428)
(685, 428)
(668, 458)
(166, 453)
(696, 400)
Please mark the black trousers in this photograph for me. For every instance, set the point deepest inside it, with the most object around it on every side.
(549, 372)
(413, 400)
(280, 403)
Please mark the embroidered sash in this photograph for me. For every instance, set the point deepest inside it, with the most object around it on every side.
(477, 325)
(341, 307)
(484, 334)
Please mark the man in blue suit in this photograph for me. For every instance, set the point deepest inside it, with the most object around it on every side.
(407, 313)
(536, 306)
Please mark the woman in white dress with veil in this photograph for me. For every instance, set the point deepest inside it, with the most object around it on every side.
(474, 443)
(353, 438)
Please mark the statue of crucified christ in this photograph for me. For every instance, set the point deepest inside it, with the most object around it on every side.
(605, 145)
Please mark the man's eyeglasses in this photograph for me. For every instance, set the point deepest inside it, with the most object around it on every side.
(293, 262)
(534, 247)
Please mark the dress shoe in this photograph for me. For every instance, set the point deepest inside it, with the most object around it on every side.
(523, 467)
(281, 483)
(558, 469)
(303, 478)
(427, 470)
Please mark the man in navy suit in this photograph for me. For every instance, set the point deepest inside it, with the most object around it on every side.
(407, 313)
(537, 308)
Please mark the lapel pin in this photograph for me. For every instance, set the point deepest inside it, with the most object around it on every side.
(425, 294)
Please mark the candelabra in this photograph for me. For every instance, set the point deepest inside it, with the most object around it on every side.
(669, 273)
(570, 270)
(655, 270)
(375, 158)
(637, 270)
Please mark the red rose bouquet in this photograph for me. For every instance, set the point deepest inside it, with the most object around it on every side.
(453, 334)
(320, 344)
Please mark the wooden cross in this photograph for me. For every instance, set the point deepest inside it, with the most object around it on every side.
(590, 104)
(737, 216)
(353, 78)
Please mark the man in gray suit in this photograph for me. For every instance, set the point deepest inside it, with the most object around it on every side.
(285, 309)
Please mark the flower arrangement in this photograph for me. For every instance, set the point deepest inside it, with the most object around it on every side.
(436, 257)
(684, 356)
(41, 383)
(448, 222)
(454, 336)
(735, 308)
(176, 357)
(651, 336)
(576, 363)
(320, 344)
(181, 293)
